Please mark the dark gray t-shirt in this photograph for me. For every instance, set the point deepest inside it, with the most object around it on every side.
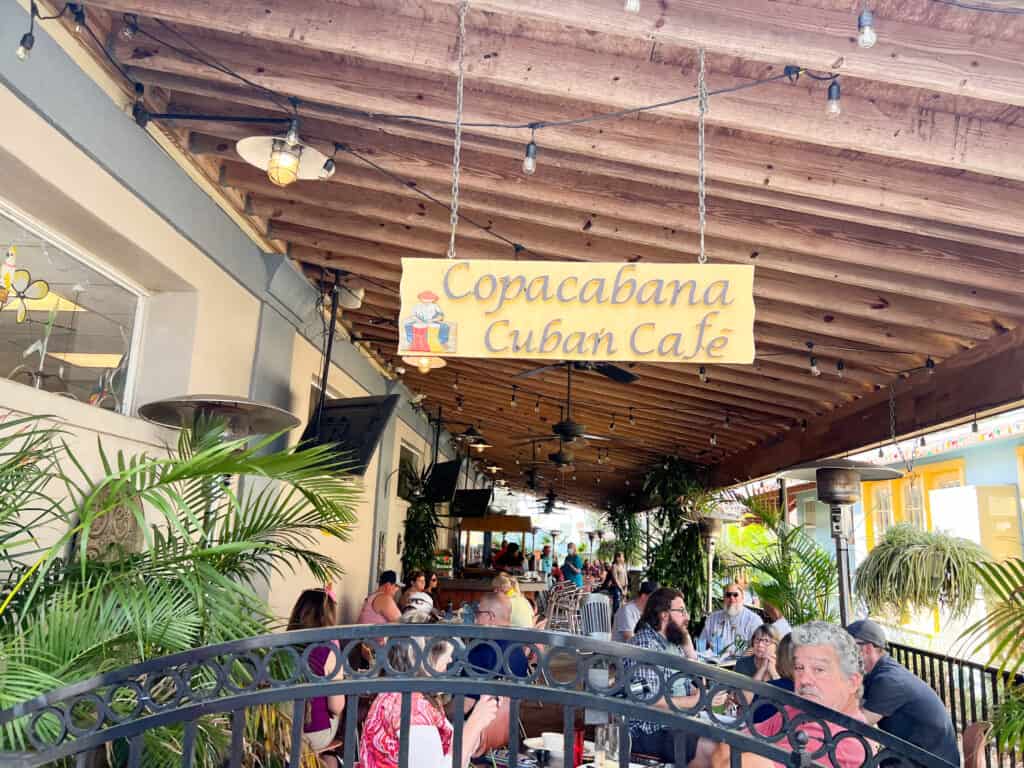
(910, 709)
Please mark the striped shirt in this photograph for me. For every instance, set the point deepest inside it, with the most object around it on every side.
(653, 678)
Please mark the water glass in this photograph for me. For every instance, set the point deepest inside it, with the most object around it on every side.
(702, 644)
(606, 745)
(717, 645)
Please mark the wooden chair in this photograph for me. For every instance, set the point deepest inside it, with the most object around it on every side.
(974, 739)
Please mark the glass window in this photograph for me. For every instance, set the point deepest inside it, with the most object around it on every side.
(913, 502)
(65, 326)
(408, 462)
(881, 509)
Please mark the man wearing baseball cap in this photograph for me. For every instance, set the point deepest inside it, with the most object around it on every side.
(898, 701)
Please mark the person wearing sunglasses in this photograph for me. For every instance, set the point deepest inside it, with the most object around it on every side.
(734, 622)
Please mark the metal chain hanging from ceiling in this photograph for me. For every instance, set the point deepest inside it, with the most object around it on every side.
(909, 463)
(457, 151)
(702, 108)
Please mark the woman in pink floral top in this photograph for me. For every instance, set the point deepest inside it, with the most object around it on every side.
(430, 734)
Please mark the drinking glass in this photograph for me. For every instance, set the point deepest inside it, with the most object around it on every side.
(606, 745)
(702, 644)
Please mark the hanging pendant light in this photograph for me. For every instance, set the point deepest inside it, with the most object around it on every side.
(425, 363)
(286, 159)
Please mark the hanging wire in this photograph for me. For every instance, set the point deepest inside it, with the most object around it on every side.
(457, 149)
(1012, 10)
(909, 463)
(702, 108)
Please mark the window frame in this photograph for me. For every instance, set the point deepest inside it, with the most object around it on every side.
(37, 228)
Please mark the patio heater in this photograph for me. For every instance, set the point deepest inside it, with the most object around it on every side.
(838, 484)
(710, 531)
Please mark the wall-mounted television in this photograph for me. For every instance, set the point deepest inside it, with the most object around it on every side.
(471, 502)
(355, 425)
(441, 483)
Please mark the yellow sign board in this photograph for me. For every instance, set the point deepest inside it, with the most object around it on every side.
(679, 313)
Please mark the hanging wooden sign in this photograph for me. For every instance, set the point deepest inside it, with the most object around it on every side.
(681, 313)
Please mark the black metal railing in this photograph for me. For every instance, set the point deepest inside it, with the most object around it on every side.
(116, 711)
(970, 691)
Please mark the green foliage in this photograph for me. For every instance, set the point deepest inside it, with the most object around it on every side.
(624, 522)
(419, 543)
(1008, 720)
(680, 560)
(61, 622)
(915, 570)
(1002, 629)
(795, 575)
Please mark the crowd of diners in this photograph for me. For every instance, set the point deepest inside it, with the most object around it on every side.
(844, 669)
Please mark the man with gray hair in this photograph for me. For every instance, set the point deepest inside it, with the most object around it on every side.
(827, 670)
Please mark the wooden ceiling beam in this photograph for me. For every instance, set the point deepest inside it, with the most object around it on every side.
(989, 376)
(789, 112)
(533, 223)
(640, 151)
(907, 54)
(585, 185)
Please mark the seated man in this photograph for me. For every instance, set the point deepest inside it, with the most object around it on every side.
(629, 613)
(898, 700)
(733, 622)
(826, 670)
(662, 628)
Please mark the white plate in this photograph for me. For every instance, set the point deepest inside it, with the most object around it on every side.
(631, 765)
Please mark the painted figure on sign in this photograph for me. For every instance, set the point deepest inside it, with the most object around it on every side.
(425, 329)
(7, 273)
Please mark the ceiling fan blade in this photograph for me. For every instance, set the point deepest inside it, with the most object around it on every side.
(588, 436)
(536, 371)
(616, 374)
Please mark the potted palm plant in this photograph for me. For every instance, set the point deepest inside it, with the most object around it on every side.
(66, 616)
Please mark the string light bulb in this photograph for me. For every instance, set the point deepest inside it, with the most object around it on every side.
(713, 439)
(632, 6)
(455, 383)
(24, 50)
(866, 35)
(130, 26)
(840, 368)
(922, 441)
(929, 366)
(512, 402)
(285, 156)
(460, 402)
(611, 424)
(78, 12)
(328, 169)
(881, 453)
(536, 406)
(974, 424)
(530, 158)
(815, 370)
(832, 107)
(632, 417)
(702, 372)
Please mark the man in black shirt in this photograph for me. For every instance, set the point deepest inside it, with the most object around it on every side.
(900, 702)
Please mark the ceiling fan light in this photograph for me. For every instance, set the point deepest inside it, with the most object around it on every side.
(283, 168)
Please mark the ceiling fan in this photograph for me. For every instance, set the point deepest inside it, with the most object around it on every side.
(550, 503)
(613, 372)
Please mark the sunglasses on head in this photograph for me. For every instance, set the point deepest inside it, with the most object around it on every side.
(732, 594)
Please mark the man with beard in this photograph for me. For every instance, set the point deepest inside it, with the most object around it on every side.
(827, 670)
(733, 622)
(662, 627)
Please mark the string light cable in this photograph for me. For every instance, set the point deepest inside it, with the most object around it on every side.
(1007, 9)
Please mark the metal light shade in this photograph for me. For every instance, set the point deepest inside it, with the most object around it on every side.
(425, 363)
(261, 152)
(242, 417)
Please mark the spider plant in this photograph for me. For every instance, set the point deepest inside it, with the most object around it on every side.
(914, 570)
(66, 617)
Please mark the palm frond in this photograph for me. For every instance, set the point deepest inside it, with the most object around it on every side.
(1001, 632)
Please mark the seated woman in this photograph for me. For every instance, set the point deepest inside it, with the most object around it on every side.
(314, 609)
(760, 662)
(430, 735)
(415, 584)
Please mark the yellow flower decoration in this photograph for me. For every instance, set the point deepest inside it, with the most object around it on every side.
(25, 289)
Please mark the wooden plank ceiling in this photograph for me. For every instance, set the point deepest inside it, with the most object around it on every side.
(887, 236)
